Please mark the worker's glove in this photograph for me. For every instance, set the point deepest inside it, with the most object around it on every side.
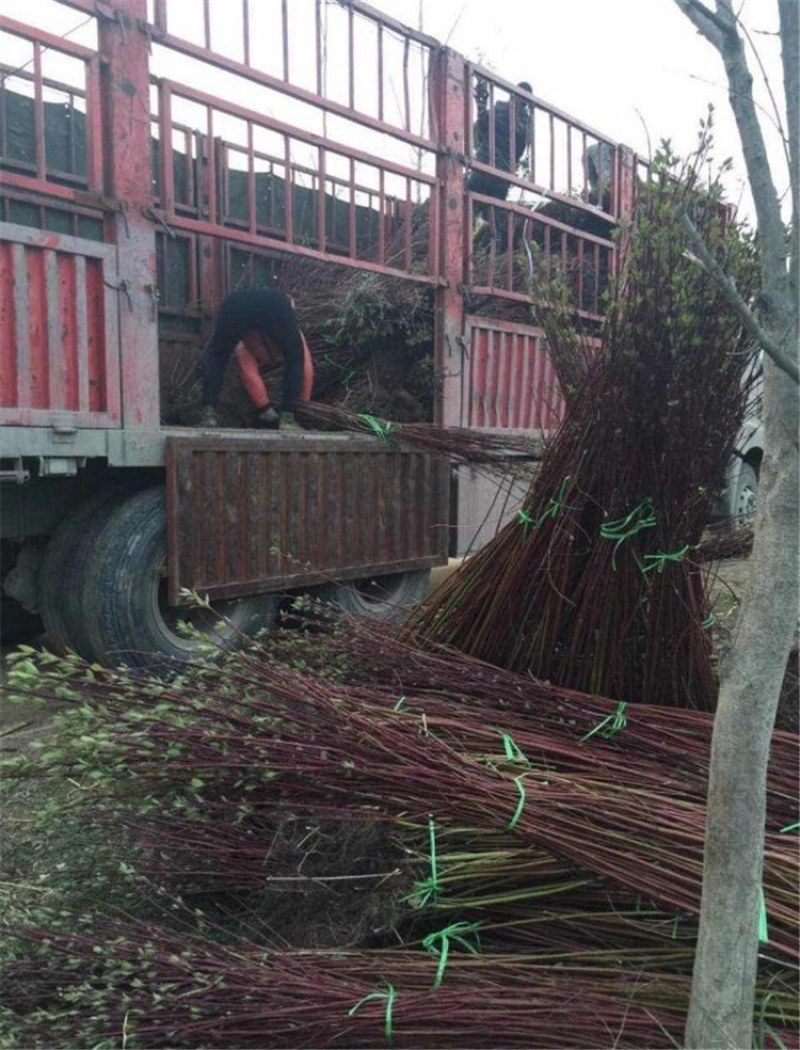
(268, 418)
(288, 422)
(208, 417)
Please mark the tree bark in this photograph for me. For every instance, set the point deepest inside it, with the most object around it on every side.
(723, 986)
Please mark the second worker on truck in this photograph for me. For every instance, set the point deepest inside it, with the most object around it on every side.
(257, 325)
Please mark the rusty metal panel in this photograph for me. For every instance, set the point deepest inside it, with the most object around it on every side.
(248, 514)
(511, 381)
(59, 344)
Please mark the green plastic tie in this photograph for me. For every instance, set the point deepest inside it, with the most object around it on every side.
(763, 932)
(455, 932)
(660, 560)
(520, 805)
(513, 752)
(709, 621)
(641, 517)
(430, 887)
(524, 518)
(550, 511)
(381, 427)
(612, 724)
(389, 995)
(399, 705)
(788, 828)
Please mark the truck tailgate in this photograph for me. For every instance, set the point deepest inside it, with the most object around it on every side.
(250, 514)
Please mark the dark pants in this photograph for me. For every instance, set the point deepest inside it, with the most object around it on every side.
(268, 312)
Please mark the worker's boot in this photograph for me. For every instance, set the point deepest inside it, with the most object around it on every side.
(208, 417)
(268, 418)
(288, 422)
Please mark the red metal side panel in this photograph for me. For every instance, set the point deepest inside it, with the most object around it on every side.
(262, 514)
(59, 344)
(511, 383)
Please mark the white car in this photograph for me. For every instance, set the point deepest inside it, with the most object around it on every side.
(740, 497)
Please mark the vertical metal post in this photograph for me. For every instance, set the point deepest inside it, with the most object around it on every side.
(448, 78)
(625, 198)
(124, 46)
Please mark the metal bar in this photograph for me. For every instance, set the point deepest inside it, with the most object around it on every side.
(246, 31)
(49, 40)
(167, 162)
(321, 208)
(211, 165)
(251, 180)
(318, 49)
(285, 36)
(55, 359)
(551, 122)
(21, 320)
(380, 72)
(288, 192)
(406, 96)
(381, 216)
(351, 63)
(207, 24)
(351, 231)
(38, 113)
(94, 126)
(160, 16)
(81, 334)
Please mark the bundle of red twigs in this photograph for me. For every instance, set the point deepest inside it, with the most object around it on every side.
(457, 443)
(595, 585)
(169, 990)
(614, 791)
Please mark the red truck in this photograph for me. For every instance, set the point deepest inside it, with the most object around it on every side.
(147, 162)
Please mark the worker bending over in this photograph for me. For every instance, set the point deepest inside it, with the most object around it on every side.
(257, 326)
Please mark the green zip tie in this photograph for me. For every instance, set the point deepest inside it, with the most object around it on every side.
(520, 805)
(524, 518)
(399, 703)
(430, 887)
(641, 517)
(615, 723)
(709, 621)
(675, 928)
(789, 827)
(454, 932)
(660, 560)
(381, 427)
(550, 511)
(763, 932)
(513, 752)
(389, 995)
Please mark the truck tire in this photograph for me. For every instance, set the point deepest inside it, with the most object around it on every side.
(746, 497)
(123, 595)
(63, 570)
(388, 598)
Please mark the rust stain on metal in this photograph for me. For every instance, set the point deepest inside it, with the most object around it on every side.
(251, 514)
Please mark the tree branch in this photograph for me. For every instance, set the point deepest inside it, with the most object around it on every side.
(705, 21)
(746, 316)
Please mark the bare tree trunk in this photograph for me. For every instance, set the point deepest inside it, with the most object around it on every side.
(723, 988)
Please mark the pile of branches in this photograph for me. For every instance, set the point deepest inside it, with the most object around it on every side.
(535, 844)
(595, 585)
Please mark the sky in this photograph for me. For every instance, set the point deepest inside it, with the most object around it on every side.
(636, 70)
